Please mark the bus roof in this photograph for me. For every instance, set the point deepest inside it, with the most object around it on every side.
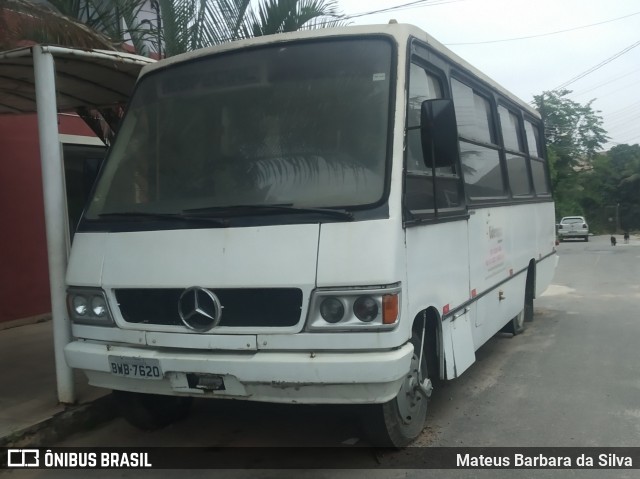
(401, 32)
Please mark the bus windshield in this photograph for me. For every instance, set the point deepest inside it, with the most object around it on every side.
(303, 125)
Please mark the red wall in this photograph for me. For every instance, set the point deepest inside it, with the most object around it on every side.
(24, 275)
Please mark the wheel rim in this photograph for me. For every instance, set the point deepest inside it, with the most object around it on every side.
(409, 398)
(519, 321)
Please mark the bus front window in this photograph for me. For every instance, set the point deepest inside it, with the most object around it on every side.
(299, 124)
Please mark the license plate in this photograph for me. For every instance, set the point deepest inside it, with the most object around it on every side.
(138, 368)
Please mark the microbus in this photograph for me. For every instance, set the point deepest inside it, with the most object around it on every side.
(333, 216)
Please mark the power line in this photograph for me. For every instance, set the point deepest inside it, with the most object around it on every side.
(597, 67)
(624, 109)
(405, 6)
(629, 85)
(624, 122)
(608, 81)
(546, 34)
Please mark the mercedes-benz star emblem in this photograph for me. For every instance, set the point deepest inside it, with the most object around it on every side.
(199, 309)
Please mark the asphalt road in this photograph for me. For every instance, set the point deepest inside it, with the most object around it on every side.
(571, 379)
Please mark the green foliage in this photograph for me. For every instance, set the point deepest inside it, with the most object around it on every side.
(185, 24)
(608, 193)
(109, 18)
(575, 130)
(192, 24)
(623, 181)
(278, 16)
(574, 135)
(23, 22)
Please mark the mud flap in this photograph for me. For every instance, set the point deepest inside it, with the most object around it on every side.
(459, 349)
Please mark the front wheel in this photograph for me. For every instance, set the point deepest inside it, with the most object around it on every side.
(400, 421)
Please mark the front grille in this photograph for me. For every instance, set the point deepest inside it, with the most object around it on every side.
(265, 307)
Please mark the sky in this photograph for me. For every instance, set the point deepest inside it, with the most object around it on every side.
(599, 30)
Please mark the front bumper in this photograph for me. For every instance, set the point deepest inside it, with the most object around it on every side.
(283, 377)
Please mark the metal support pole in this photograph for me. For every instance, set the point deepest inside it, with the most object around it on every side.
(55, 214)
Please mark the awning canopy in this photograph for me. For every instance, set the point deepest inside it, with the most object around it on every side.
(84, 78)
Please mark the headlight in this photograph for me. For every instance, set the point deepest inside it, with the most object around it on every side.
(366, 308)
(88, 306)
(331, 310)
(80, 305)
(99, 306)
(354, 309)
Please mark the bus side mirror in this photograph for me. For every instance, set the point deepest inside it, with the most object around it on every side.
(439, 133)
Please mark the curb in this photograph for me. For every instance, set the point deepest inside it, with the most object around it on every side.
(73, 419)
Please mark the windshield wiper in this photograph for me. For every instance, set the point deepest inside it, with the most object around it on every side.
(166, 216)
(270, 209)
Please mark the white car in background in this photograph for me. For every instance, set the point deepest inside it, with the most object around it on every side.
(573, 227)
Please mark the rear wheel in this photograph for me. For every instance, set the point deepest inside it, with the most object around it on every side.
(151, 411)
(400, 421)
(516, 325)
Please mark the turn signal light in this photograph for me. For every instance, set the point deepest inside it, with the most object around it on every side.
(389, 308)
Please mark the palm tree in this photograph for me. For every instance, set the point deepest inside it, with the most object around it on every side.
(24, 23)
(192, 24)
(180, 25)
(119, 20)
(279, 16)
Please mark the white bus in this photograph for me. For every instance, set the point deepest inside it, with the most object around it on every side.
(336, 216)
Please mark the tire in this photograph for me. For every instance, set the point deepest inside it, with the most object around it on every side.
(150, 412)
(586, 238)
(400, 421)
(516, 325)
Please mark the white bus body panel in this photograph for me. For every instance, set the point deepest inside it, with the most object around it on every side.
(250, 257)
(505, 240)
(360, 254)
(437, 262)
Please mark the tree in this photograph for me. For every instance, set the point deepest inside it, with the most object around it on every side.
(24, 23)
(623, 178)
(279, 16)
(574, 135)
(119, 20)
(192, 24)
(180, 26)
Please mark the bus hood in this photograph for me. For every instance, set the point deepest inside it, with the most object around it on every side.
(285, 255)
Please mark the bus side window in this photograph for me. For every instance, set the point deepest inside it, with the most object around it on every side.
(422, 86)
(479, 148)
(517, 171)
(419, 188)
(538, 165)
(430, 190)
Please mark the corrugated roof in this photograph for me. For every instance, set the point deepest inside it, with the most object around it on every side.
(84, 78)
